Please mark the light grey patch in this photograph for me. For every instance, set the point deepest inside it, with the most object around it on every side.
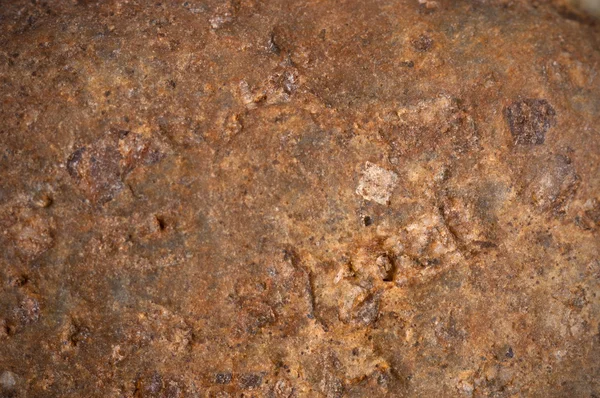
(377, 183)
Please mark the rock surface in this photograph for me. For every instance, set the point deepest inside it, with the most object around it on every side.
(351, 198)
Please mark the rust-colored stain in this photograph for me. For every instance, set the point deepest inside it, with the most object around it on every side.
(299, 199)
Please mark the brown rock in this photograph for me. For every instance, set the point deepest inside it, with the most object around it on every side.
(227, 198)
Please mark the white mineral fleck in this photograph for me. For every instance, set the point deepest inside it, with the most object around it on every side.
(7, 380)
(377, 183)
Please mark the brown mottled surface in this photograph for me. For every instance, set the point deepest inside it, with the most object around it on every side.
(299, 199)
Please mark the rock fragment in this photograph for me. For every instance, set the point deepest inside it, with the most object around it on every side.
(529, 120)
(377, 183)
(99, 169)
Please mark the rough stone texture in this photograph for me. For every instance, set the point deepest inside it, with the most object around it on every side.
(179, 213)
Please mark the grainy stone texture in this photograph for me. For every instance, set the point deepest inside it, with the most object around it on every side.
(179, 213)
